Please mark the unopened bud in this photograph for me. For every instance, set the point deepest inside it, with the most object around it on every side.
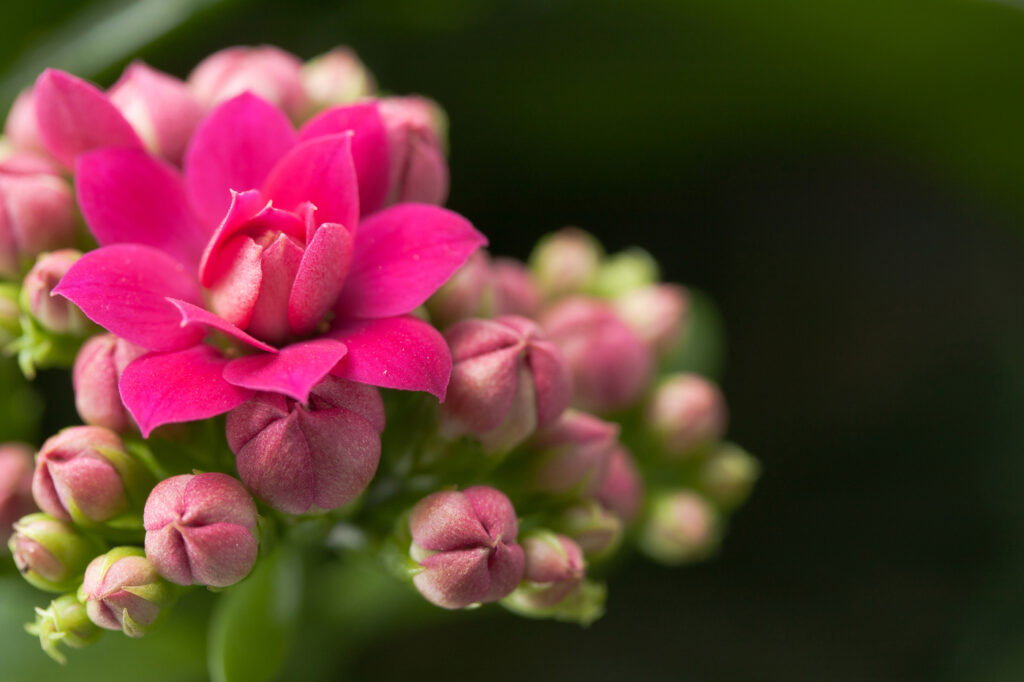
(657, 313)
(419, 169)
(50, 554)
(266, 71)
(573, 454)
(64, 621)
(10, 312)
(729, 475)
(36, 212)
(96, 375)
(554, 568)
(515, 292)
(21, 128)
(200, 529)
(598, 531)
(625, 272)
(15, 485)
(469, 293)
(566, 262)
(686, 413)
(622, 489)
(123, 591)
(465, 545)
(54, 313)
(682, 527)
(336, 78)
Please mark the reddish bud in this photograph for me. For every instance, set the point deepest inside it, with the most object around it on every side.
(622, 489)
(469, 293)
(681, 527)
(419, 169)
(96, 374)
(657, 313)
(123, 591)
(36, 211)
(686, 412)
(515, 292)
(21, 128)
(15, 485)
(54, 313)
(50, 554)
(269, 72)
(336, 78)
(574, 454)
(554, 568)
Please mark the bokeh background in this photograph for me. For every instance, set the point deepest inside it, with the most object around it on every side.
(844, 177)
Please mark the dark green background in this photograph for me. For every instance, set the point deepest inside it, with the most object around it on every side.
(846, 179)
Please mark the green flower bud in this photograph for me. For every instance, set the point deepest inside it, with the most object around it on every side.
(566, 262)
(64, 621)
(625, 272)
(681, 527)
(729, 475)
(51, 554)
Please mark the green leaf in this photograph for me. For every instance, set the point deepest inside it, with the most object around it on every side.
(254, 622)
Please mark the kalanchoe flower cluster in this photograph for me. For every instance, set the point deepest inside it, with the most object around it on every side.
(282, 337)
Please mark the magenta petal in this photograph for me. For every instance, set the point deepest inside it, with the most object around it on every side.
(162, 388)
(293, 371)
(396, 352)
(244, 207)
(320, 278)
(124, 289)
(369, 147)
(193, 317)
(234, 148)
(403, 255)
(321, 172)
(128, 196)
(76, 117)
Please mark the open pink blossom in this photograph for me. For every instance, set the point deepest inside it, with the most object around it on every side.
(260, 240)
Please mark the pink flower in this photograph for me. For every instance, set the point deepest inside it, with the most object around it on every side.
(267, 71)
(290, 253)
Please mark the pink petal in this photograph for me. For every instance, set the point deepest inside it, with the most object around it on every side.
(403, 255)
(187, 385)
(128, 196)
(369, 147)
(124, 289)
(76, 117)
(193, 317)
(280, 263)
(234, 293)
(320, 278)
(321, 172)
(293, 371)
(396, 352)
(244, 207)
(234, 148)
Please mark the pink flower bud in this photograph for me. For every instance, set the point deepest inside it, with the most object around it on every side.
(336, 78)
(96, 374)
(622, 489)
(36, 211)
(657, 314)
(15, 485)
(507, 380)
(515, 292)
(574, 454)
(200, 529)
(54, 313)
(419, 169)
(566, 262)
(611, 365)
(681, 527)
(161, 109)
(64, 621)
(729, 475)
(465, 544)
(269, 72)
(294, 456)
(686, 412)
(469, 293)
(51, 554)
(595, 529)
(554, 568)
(84, 474)
(21, 128)
(123, 591)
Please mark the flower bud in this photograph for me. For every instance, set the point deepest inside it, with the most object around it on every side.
(161, 109)
(681, 527)
(595, 529)
(96, 375)
(10, 312)
(507, 380)
(657, 313)
(54, 313)
(123, 591)
(465, 544)
(686, 413)
(84, 474)
(573, 454)
(566, 262)
(515, 292)
(36, 211)
(622, 489)
(469, 293)
(51, 554)
(15, 485)
(419, 169)
(625, 272)
(269, 72)
(729, 475)
(336, 78)
(21, 128)
(64, 621)
(554, 568)
(611, 365)
(294, 456)
(200, 529)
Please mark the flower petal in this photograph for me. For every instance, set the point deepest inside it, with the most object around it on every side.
(193, 317)
(321, 172)
(396, 352)
(403, 255)
(369, 147)
(293, 371)
(124, 289)
(76, 117)
(244, 207)
(162, 388)
(128, 196)
(234, 148)
(320, 278)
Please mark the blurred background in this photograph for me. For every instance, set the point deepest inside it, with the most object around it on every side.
(844, 177)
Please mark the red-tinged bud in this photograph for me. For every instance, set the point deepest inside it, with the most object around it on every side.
(336, 78)
(15, 485)
(64, 621)
(36, 211)
(507, 380)
(598, 531)
(21, 128)
(419, 169)
(469, 293)
(269, 72)
(54, 313)
(515, 292)
(50, 554)
(200, 529)
(554, 568)
(680, 528)
(573, 454)
(95, 376)
(657, 314)
(728, 476)
(566, 262)
(161, 108)
(295, 456)
(622, 489)
(84, 474)
(123, 591)
(686, 413)
(465, 544)
(611, 365)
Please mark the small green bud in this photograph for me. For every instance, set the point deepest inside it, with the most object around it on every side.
(64, 621)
